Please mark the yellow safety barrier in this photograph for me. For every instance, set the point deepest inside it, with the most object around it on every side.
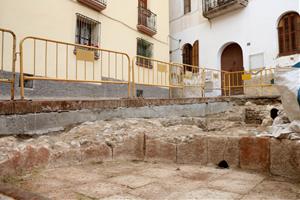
(156, 73)
(252, 82)
(195, 81)
(8, 59)
(51, 60)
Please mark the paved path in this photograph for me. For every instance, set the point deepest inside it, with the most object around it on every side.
(140, 180)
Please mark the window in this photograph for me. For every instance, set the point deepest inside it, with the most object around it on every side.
(144, 49)
(87, 31)
(289, 34)
(187, 6)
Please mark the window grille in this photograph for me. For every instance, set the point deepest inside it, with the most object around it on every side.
(87, 31)
(144, 49)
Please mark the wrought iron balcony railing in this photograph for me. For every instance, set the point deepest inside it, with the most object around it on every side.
(98, 5)
(146, 21)
(214, 8)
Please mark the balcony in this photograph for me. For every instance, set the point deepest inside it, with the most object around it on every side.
(146, 21)
(215, 8)
(97, 5)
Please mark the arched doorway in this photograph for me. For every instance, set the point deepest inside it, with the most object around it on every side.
(232, 61)
(187, 56)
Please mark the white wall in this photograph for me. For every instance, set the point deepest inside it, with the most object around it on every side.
(256, 24)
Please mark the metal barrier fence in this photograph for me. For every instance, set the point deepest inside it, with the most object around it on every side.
(194, 81)
(155, 73)
(252, 82)
(50, 60)
(8, 59)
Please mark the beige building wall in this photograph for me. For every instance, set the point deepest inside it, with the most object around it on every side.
(56, 19)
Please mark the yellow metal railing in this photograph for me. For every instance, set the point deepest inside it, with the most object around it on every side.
(200, 82)
(51, 60)
(155, 73)
(249, 82)
(8, 59)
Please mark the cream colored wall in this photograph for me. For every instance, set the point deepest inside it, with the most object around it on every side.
(56, 19)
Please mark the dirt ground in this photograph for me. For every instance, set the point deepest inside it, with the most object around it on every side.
(145, 180)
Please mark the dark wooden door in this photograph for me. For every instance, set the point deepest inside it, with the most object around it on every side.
(143, 3)
(232, 61)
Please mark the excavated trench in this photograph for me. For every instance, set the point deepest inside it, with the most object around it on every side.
(226, 141)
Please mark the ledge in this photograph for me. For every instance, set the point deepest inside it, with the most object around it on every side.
(146, 30)
(46, 106)
(94, 4)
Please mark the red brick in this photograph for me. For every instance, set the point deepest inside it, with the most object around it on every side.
(255, 153)
(193, 152)
(158, 150)
(10, 165)
(130, 149)
(33, 157)
(224, 148)
(66, 157)
(285, 158)
(96, 152)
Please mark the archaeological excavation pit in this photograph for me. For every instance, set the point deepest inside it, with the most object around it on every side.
(211, 150)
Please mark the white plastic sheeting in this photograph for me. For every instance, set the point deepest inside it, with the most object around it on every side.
(287, 81)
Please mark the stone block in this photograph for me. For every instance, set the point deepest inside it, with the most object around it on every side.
(132, 148)
(32, 157)
(132, 181)
(99, 190)
(9, 166)
(285, 158)
(224, 148)
(152, 191)
(193, 152)
(236, 186)
(65, 157)
(159, 150)
(255, 153)
(203, 193)
(27, 159)
(96, 153)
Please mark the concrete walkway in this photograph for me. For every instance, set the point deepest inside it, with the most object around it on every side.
(142, 180)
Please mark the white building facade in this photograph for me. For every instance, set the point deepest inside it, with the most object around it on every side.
(250, 24)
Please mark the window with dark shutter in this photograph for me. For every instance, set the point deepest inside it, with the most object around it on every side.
(195, 56)
(289, 34)
(187, 6)
(143, 4)
(187, 55)
(144, 49)
(196, 53)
